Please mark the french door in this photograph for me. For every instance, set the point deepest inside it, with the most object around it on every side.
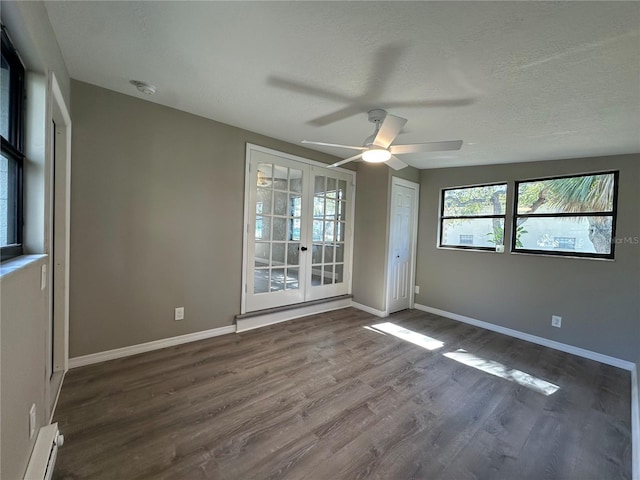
(298, 230)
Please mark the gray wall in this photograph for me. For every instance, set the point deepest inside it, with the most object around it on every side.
(371, 232)
(156, 219)
(598, 300)
(22, 330)
(23, 306)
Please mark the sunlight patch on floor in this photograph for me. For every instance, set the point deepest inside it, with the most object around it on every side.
(502, 371)
(374, 330)
(406, 335)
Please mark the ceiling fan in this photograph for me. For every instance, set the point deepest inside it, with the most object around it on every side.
(377, 147)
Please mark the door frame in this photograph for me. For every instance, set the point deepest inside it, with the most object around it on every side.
(59, 226)
(397, 181)
(247, 235)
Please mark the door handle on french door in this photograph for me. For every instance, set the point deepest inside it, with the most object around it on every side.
(303, 249)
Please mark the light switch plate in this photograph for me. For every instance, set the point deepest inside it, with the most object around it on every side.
(43, 277)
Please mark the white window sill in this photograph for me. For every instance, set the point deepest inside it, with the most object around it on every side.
(18, 263)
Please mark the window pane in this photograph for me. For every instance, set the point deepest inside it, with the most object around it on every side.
(262, 254)
(316, 276)
(279, 229)
(264, 175)
(339, 273)
(475, 201)
(280, 180)
(328, 254)
(4, 200)
(340, 236)
(583, 194)
(328, 231)
(295, 205)
(295, 183)
(578, 234)
(331, 187)
(294, 229)
(292, 279)
(293, 253)
(341, 211)
(319, 185)
(277, 279)
(280, 206)
(263, 228)
(330, 208)
(317, 230)
(328, 275)
(277, 253)
(473, 232)
(316, 253)
(263, 201)
(339, 252)
(342, 189)
(4, 99)
(8, 201)
(261, 280)
(318, 207)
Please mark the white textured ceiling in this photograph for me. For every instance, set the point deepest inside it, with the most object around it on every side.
(517, 81)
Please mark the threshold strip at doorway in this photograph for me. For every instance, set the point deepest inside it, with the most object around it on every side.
(269, 316)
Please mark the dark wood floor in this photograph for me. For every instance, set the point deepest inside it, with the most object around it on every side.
(325, 398)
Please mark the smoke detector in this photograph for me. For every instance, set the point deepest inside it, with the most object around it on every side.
(144, 87)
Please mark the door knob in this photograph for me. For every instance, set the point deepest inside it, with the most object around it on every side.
(304, 249)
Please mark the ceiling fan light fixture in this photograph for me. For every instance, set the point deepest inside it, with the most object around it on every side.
(376, 155)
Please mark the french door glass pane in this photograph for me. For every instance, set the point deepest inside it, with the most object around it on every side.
(261, 280)
(292, 279)
(277, 231)
(329, 207)
(339, 273)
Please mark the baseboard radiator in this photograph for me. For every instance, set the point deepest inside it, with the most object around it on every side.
(45, 451)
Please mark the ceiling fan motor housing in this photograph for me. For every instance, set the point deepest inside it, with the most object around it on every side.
(377, 115)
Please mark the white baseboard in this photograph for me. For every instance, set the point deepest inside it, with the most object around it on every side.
(148, 346)
(251, 323)
(635, 424)
(563, 347)
(372, 311)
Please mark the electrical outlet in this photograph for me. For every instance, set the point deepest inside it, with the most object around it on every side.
(416, 289)
(556, 321)
(179, 313)
(32, 420)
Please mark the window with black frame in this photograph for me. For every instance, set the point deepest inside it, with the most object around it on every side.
(12, 156)
(473, 217)
(566, 216)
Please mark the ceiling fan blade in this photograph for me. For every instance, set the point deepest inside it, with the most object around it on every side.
(389, 130)
(323, 144)
(304, 89)
(385, 62)
(336, 116)
(396, 163)
(426, 147)
(346, 160)
(451, 102)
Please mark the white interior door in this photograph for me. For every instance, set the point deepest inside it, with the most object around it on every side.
(402, 244)
(298, 237)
